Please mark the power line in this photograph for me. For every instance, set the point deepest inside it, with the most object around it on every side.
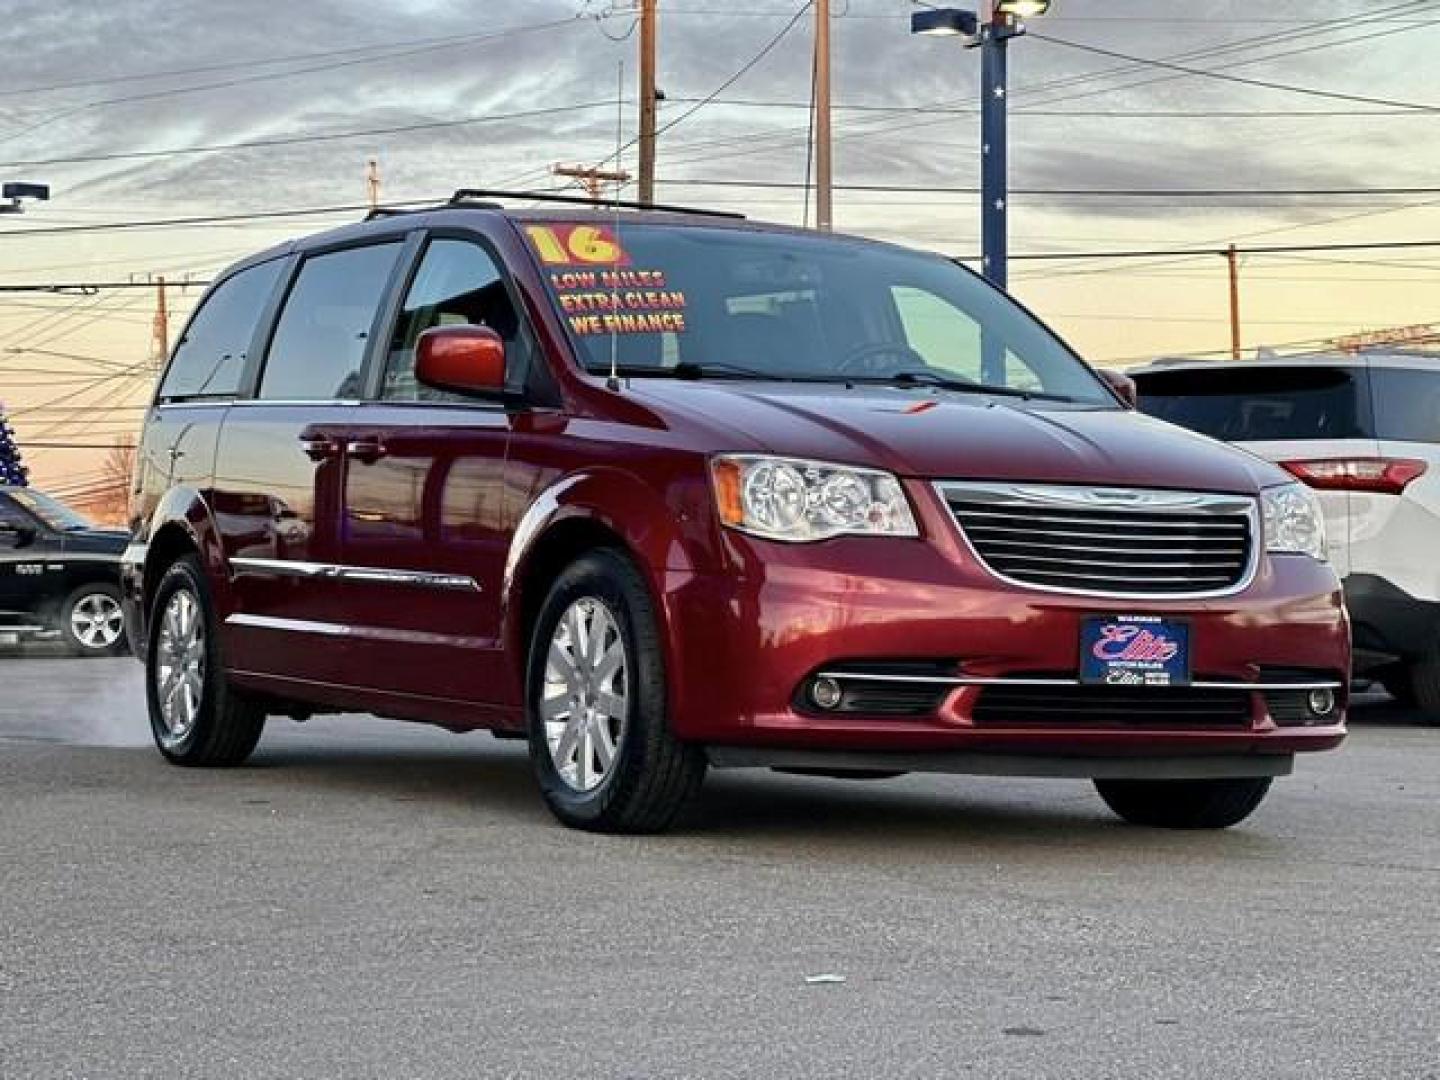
(208, 219)
(743, 70)
(26, 445)
(1034, 256)
(1127, 19)
(1067, 84)
(1123, 193)
(321, 211)
(1264, 84)
(295, 140)
(154, 94)
(293, 58)
(1173, 114)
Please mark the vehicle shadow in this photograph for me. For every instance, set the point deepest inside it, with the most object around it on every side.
(873, 820)
(475, 774)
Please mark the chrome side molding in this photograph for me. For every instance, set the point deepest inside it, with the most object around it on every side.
(296, 568)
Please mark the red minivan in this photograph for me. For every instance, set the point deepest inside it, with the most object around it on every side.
(660, 491)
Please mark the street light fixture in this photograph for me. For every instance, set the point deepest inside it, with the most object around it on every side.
(991, 35)
(15, 192)
(945, 22)
(1023, 9)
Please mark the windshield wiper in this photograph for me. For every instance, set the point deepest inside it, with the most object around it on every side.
(964, 386)
(689, 369)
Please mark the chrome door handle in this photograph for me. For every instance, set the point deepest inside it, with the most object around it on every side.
(367, 451)
(318, 447)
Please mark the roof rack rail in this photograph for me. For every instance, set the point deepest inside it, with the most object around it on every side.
(401, 211)
(470, 195)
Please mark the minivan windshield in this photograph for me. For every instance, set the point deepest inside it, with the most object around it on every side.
(689, 301)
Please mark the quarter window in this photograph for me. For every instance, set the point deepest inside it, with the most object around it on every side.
(1407, 404)
(210, 358)
(320, 341)
(458, 284)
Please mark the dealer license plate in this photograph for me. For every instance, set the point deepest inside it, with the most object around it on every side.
(1134, 650)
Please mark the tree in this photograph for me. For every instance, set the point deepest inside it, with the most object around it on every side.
(12, 468)
(108, 500)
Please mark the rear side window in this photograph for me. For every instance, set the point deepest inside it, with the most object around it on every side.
(1260, 404)
(210, 358)
(320, 340)
(1407, 404)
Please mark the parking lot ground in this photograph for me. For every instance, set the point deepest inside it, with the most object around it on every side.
(369, 899)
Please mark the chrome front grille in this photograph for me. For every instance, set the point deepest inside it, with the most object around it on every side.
(1107, 541)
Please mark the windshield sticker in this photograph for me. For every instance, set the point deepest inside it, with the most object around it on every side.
(619, 302)
(576, 245)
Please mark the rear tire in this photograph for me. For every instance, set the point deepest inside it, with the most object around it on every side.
(1423, 676)
(196, 717)
(1396, 681)
(1184, 804)
(91, 623)
(597, 702)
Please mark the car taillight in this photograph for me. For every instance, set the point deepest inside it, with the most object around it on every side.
(1387, 476)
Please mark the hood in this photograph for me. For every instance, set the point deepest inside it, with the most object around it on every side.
(941, 434)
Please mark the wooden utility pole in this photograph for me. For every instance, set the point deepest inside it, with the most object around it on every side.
(372, 183)
(649, 99)
(162, 325)
(823, 178)
(593, 180)
(1233, 258)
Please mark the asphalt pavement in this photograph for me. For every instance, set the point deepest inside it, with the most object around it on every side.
(370, 899)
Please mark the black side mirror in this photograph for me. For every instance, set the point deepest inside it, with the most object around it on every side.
(20, 535)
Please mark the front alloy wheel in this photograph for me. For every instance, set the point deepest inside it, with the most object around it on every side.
(180, 666)
(585, 700)
(596, 695)
(195, 715)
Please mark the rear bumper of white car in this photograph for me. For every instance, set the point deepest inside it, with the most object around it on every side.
(1388, 624)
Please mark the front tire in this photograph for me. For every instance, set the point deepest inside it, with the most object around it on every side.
(1184, 804)
(596, 697)
(91, 622)
(195, 716)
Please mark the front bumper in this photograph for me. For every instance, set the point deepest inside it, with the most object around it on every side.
(743, 645)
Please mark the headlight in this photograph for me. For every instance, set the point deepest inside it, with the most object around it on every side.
(786, 499)
(1293, 521)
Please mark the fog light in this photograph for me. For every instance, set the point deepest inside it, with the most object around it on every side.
(825, 693)
(1321, 702)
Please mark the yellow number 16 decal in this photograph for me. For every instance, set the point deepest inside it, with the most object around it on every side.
(576, 245)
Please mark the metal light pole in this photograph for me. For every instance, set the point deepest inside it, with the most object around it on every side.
(991, 34)
(994, 149)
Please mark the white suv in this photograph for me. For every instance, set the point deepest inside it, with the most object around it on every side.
(1364, 431)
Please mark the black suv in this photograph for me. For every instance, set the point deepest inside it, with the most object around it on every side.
(59, 574)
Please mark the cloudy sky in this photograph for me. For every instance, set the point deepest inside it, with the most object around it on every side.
(493, 92)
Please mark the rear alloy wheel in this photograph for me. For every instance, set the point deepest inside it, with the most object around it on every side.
(1184, 804)
(196, 718)
(600, 741)
(91, 621)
